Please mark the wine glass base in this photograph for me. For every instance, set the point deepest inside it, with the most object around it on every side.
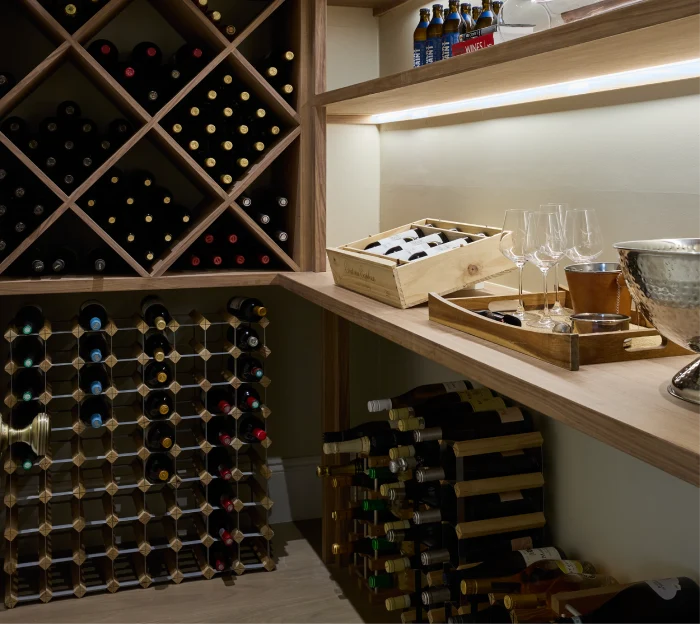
(524, 316)
(557, 309)
(542, 323)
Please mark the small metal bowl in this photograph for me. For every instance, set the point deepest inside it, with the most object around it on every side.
(598, 322)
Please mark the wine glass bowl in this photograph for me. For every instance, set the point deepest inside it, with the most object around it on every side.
(664, 279)
(512, 246)
(561, 210)
(584, 239)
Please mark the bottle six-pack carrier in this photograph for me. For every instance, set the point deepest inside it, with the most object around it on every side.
(85, 518)
(459, 540)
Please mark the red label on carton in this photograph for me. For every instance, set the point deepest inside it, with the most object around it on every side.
(472, 45)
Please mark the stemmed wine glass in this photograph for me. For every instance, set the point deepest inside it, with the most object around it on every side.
(544, 247)
(583, 236)
(561, 210)
(512, 246)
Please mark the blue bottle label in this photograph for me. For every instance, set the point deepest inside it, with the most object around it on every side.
(418, 53)
(448, 40)
(433, 50)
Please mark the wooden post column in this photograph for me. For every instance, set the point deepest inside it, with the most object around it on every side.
(336, 416)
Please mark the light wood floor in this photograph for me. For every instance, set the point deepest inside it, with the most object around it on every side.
(300, 590)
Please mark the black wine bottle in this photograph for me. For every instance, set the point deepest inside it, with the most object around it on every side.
(96, 261)
(28, 351)
(221, 431)
(221, 526)
(159, 467)
(106, 53)
(219, 556)
(29, 319)
(220, 460)
(94, 411)
(94, 347)
(251, 429)
(219, 400)
(247, 309)
(220, 494)
(154, 312)
(244, 337)
(159, 436)
(157, 346)
(246, 368)
(158, 405)
(64, 260)
(146, 56)
(158, 374)
(92, 315)
(94, 379)
(7, 82)
(248, 399)
(24, 455)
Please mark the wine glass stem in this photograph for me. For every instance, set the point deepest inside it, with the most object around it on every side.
(556, 284)
(521, 308)
(545, 309)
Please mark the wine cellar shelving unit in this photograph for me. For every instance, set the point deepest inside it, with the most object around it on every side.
(191, 25)
(460, 538)
(85, 518)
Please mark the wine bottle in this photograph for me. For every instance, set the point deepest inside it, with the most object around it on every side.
(159, 436)
(203, 5)
(92, 315)
(28, 351)
(15, 128)
(24, 455)
(251, 429)
(69, 111)
(157, 346)
(378, 443)
(418, 395)
(452, 426)
(247, 309)
(94, 379)
(94, 411)
(158, 405)
(23, 414)
(220, 459)
(67, 15)
(246, 368)
(219, 399)
(355, 467)
(159, 467)
(93, 347)
(221, 525)
(220, 494)
(7, 82)
(96, 261)
(105, 52)
(189, 60)
(539, 574)
(248, 399)
(442, 400)
(366, 546)
(221, 431)
(154, 312)
(357, 513)
(65, 260)
(219, 557)
(158, 374)
(657, 600)
(146, 56)
(29, 384)
(244, 337)
(367, 429)
(29, 319)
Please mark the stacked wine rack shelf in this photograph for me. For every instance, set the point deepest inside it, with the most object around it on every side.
(85, 518)
(416, 591)
(191, 25)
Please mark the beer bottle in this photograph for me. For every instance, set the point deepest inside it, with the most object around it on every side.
(497, 5)
(433, 44)
(487, 17)
(420, 34)
(450, 33)
(476, 11)
(467, 21)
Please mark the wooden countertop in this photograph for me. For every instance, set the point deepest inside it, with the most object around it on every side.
(624, 405)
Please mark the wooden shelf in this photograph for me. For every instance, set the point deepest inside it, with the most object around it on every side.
(213, 279)
(379, 7)
(624, 405)
(641, 35)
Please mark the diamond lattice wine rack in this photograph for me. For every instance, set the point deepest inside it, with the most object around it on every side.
(55, 63)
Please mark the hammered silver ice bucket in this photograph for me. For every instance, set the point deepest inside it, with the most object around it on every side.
(664, 279)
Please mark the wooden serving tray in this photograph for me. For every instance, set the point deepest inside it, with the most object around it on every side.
(405, 284)
(569, 351)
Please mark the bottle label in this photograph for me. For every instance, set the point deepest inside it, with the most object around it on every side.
(455, 386)
(236, 303)
(507, 497)
(666, 588)
(484, 404)
(539, 554)
(418, 53)
(568, 566)
(511, 414)
(448, 40)
(433, 50)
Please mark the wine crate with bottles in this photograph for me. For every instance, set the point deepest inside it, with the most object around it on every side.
(442, 518)
(87, 120)
(156, 468)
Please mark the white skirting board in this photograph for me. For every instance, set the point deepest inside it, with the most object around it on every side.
(295, 489)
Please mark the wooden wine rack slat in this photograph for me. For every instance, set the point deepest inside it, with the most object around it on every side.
(187, 20)
(94, 522)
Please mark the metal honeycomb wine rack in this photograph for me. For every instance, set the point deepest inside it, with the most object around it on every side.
(190, 23)
(85, 518)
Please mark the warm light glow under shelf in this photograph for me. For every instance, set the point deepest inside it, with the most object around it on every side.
(622, 80)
